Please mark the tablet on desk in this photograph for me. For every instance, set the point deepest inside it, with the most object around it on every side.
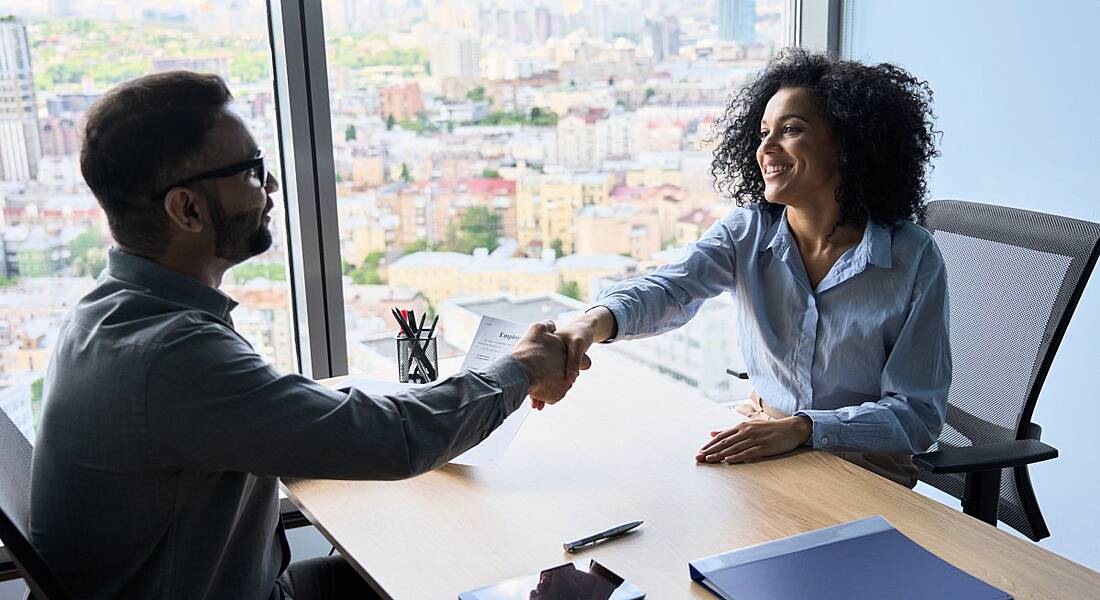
(571, 581)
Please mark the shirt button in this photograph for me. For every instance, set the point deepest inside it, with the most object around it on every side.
(824, 440)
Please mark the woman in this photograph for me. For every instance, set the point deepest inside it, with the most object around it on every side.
(842, 297)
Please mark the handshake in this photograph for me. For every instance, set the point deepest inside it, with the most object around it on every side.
(553, 358)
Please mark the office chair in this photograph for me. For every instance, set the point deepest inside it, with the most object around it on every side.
(1014, 278)
(15, 510)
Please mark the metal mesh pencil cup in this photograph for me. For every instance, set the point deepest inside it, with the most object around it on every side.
(405, 356)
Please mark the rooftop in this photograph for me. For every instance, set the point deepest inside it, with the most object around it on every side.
(595, 261)
(522, 310)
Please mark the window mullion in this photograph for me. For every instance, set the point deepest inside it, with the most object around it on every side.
(301, 84)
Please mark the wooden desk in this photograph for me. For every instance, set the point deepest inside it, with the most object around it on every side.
(616, 450)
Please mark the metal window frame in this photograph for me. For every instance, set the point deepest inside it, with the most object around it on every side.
(815, 25)
(296, 32)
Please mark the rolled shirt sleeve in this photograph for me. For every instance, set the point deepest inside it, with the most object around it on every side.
(240, 414)
(915, 380)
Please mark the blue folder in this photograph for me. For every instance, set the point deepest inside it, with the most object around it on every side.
(866, 559)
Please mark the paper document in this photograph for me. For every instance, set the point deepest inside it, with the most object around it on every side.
(494, 338)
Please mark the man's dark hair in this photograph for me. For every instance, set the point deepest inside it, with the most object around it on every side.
(882, 125)
(140, 138)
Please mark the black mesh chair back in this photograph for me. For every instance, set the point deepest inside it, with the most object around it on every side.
(15, 510)
(1014, 278)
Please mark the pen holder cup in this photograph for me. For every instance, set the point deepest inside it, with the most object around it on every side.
(406, 360)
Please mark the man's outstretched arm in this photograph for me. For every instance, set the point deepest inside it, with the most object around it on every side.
(214, 404)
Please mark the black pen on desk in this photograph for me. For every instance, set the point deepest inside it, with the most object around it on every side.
(603, 535)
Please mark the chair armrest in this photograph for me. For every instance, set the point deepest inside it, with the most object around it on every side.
(736, 373)
(8, 570)
(986, 457)
(290, 515)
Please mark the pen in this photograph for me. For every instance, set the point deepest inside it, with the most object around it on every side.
(603, 535)
(432, 329)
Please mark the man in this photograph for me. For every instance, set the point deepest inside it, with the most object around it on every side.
(163, 433)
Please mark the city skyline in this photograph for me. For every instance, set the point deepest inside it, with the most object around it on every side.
(482, 150)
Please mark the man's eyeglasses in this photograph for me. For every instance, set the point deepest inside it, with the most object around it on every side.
(256, 164)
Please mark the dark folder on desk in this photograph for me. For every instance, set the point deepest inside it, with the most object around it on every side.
(861, 560)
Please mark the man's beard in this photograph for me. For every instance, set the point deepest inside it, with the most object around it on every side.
(238, 238)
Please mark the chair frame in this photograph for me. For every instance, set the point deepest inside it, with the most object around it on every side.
(41, 580)
(983, 464)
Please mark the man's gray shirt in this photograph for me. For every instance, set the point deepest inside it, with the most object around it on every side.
(163, 434)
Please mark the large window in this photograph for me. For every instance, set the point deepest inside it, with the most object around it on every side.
(513, 158)
(488, 157)
(56, 59)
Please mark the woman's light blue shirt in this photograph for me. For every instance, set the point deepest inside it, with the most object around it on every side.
(865, 355)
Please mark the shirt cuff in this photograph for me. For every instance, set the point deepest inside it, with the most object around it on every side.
(510, 376)
(618, 313)
(826, 428)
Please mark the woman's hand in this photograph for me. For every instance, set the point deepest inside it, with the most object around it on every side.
(756, 439)
(596, 325)
(578, 337)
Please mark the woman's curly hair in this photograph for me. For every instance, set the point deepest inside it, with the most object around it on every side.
(882, 125)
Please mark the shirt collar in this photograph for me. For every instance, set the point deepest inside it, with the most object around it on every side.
(778, 234)
(167, 283)
(878, 241)
(875, 247)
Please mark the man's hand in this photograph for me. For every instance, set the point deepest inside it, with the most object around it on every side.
(756, 439)
(542, 355)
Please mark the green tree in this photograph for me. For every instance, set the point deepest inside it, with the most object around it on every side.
(542, 118)
(556, 245)
(477, 94)
(250, 68)
(478, 227)
(247, 271)
(405, 175)
(366, 273)
(86, 253)
(8, 281)
(490, 174)
(85, 241)
(36, 401)
(610, 82)
(649, 93)
(417, 246)
(390, 122)
(571, 289)
(536, 112)
(350, 133)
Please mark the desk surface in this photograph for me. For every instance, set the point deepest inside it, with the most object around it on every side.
(615, 451)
